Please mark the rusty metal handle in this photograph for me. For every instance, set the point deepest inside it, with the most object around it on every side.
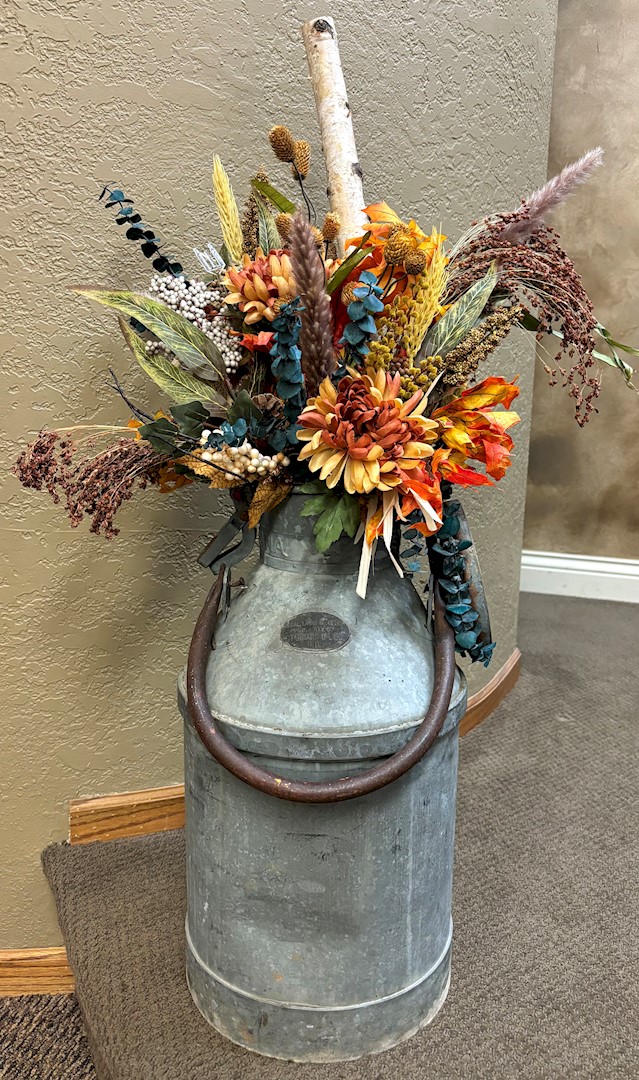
(312, 791)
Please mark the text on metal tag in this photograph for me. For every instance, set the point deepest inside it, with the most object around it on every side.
(315, 630)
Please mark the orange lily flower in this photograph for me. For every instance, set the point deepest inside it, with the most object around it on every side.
(471, 427)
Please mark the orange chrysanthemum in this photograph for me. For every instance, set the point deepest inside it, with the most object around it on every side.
(362, 432)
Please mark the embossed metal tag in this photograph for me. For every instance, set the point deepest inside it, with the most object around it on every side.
(315, 630)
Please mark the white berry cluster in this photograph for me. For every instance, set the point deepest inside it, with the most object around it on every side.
(244, 459)
(228, 346)
(190, 298)
(156, 348)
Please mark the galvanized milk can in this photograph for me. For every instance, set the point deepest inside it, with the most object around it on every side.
(319, 920)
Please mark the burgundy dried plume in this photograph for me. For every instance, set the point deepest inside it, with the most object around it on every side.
(541, 276)
(316, 334)
(96, 486)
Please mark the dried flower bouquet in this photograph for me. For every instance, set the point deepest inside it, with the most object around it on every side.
(352, 369)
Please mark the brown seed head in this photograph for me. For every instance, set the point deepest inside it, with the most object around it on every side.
(397, 248)
(331, 227)
(302, 158)
(283, 224)
(348, 293)
(415, 262)
(317, 236)
(282, 142)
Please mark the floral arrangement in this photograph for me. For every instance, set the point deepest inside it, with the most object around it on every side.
(347, 365)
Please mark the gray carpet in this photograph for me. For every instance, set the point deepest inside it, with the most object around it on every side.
(546, 949)
(42, 1038)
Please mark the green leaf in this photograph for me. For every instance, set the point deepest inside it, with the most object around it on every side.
(459, 320)
(347, 266)
(529, 322)
(328, 527)
(616, 344)
(314, 487)
(243, 406)
(195, 351)
(341, 514)
(161, 434)
(316, 505)
(225, 254)
(284, 205)
(181, 387)
(191, 418)
(350, 514)
(268, 236)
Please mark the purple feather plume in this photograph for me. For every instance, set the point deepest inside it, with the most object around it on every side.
(533, 212)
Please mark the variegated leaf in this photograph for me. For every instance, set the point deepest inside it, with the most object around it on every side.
(460, 318)
(195, 351)
(269, 238)
(180, 386)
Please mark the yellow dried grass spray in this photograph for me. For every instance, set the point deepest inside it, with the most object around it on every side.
(228, 212)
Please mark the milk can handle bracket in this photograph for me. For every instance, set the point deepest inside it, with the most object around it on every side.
(312, 791)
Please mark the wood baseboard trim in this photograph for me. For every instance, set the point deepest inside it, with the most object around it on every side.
(138, 813)
(34, 971)
(134, 813)
(486, 700)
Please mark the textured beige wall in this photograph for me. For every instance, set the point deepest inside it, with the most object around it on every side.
(451, 105)
(582, 483)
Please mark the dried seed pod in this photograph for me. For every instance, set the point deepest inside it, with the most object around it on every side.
(318, 236)
(282, 142)
(397, 248)
(348, 293)
(283, 225)
(398, 227)
(415, 262)
(331, 227)
(302, 158)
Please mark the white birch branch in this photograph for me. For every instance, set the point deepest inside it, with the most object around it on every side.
(343, 172)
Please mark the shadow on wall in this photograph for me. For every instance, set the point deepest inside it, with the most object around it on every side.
(581, 482)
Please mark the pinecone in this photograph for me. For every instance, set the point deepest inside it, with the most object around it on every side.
(270, 404)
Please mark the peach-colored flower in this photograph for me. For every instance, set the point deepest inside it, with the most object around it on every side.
(262, 286)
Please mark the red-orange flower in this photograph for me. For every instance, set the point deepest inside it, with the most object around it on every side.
(472, 428)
